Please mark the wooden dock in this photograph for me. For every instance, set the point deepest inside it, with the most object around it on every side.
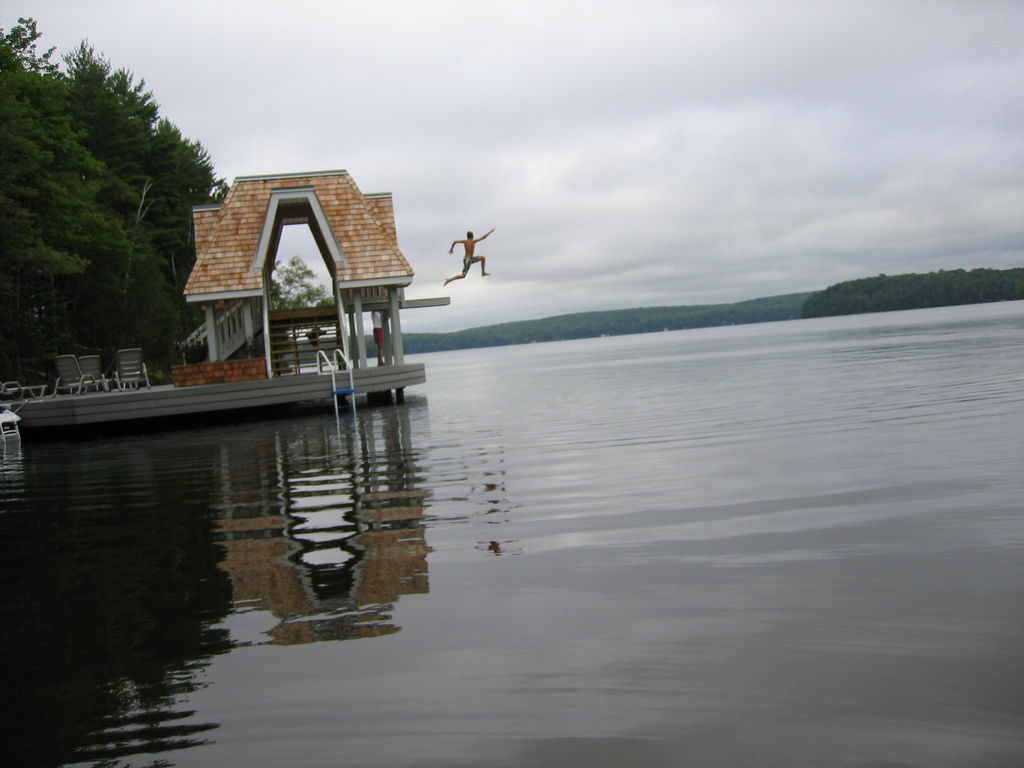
(169, 405)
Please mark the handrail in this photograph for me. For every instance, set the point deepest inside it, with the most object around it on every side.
(334, 366)
(339, 360)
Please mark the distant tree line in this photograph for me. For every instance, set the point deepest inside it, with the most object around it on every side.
(610, 323)
(95, 210)
(936, 289)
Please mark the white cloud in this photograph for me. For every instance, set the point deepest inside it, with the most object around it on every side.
(629, 153)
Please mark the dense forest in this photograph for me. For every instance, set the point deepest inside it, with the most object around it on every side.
(95, 210)
(936, 289)
(611, 323)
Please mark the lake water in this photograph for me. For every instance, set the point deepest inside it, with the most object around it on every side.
(788, 544)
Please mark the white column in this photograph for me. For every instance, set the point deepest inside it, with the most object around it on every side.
(247, 312)
(265, 309)
(357, 307)
(342, 318)
(389, 348)
(396, 327)
(211, 332)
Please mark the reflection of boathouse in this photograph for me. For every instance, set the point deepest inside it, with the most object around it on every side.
(346, 541)
(236, 251)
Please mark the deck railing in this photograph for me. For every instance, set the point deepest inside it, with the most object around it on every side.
(297, 335)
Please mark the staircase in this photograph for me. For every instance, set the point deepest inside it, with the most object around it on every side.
(231, 328)
(296, 335)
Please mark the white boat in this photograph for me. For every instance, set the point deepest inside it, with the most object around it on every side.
(9, 425)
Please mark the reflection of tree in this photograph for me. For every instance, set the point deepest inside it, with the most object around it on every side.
(330, 562)
(108, 587)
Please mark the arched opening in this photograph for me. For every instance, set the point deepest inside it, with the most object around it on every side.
(300, 277)
(299, 253)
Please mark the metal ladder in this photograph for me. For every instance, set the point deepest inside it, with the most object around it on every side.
(336, 360)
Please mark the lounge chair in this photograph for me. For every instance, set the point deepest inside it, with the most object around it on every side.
(70, 377)
(131, 371)
(15, 390)
(91, 366)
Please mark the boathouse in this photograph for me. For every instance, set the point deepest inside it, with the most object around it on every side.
(257, 359)
(236, 251)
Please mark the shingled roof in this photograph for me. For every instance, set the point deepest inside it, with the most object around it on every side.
(234, 239)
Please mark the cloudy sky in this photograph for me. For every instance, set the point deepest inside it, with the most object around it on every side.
(629, 153)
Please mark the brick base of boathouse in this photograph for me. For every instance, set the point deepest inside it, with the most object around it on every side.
(223, 372)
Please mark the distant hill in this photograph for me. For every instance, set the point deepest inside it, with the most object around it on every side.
(883, 293)
(887, 293)
(614, 322)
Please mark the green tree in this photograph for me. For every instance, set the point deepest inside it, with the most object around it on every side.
(95, 210)
(122, 299)
(885, 293)
(46, 211)
(294, 286)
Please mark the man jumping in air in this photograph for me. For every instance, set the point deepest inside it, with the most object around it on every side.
(469, 258)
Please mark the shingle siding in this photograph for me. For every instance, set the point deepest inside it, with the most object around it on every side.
(227, 237)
